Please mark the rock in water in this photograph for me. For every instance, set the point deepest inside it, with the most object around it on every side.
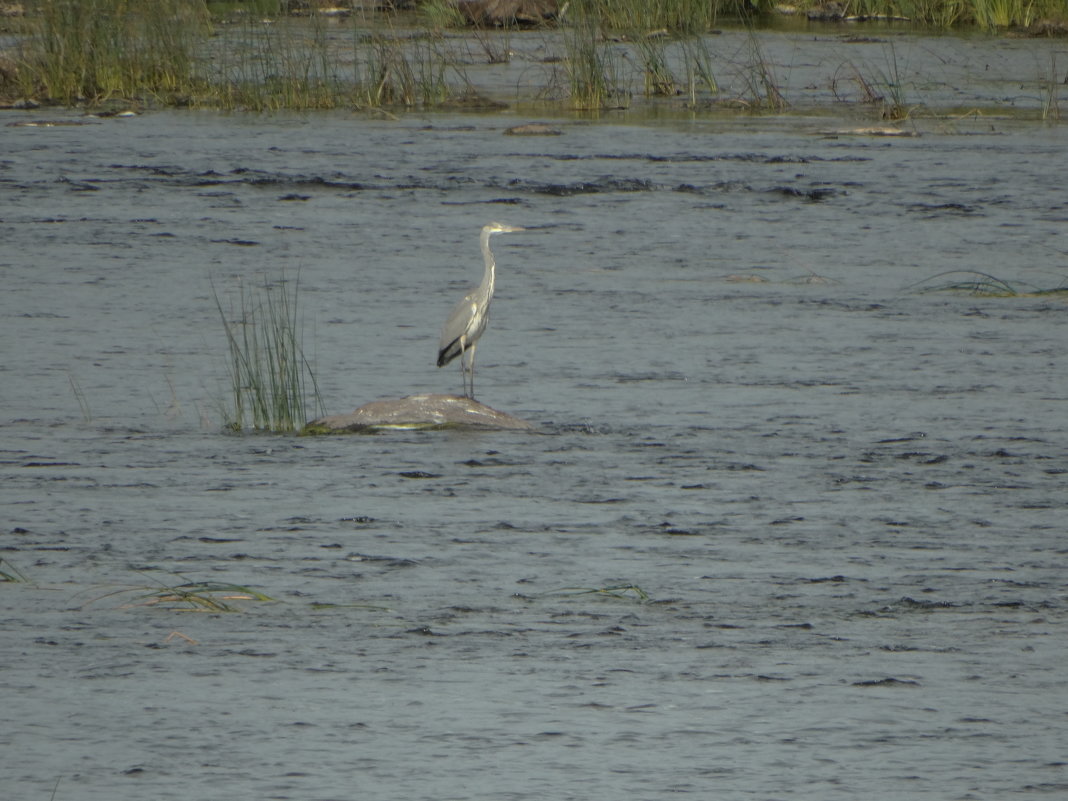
(415, 412)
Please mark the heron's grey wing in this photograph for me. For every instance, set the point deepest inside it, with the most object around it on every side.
(455, 327)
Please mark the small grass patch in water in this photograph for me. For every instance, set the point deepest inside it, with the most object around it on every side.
(764, 93)
(593, 69)
(659, 79)
(8, 572)
(209, 596)
(982, 284)
(883, 90)
(272, 382)
(79, 396)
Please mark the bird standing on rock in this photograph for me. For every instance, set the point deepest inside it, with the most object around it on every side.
(464, 327)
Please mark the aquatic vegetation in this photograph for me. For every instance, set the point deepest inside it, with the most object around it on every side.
(98, 49)
(659, 79)
(994, 14)
(983, 284)
(264, 55)
(680, 16)
(271, 380)
(316, 62)
(594, 71)
(884, 90)
(267, 67)
(697, 66)
(438, 14)
(1051, 109)
(79, 396)
(10, 572)
(762, 89)
(895, 107)
(209, 596)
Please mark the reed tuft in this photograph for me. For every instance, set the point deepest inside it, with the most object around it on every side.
(272, 382)
(95, 50)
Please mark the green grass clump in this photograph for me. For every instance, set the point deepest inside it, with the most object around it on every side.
(644, 17)
(593, 69)
(95, 50)
(272, 382)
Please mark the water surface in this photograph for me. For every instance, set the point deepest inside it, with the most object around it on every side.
(842, 498)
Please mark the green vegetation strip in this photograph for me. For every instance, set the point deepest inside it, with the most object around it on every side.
(251, 56)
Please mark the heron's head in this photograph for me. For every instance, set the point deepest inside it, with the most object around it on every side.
(500, 228)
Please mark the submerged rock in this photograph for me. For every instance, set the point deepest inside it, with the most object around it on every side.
(417, 412)
(533, 129)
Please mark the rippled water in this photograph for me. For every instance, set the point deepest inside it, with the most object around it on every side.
(843, 500)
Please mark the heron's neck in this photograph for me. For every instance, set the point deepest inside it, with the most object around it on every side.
(491, 266)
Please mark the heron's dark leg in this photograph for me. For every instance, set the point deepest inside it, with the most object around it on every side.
(463, 367)
(471, 369)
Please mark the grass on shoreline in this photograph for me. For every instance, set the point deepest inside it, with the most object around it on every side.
(250, 56)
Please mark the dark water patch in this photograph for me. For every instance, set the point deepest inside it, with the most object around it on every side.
(245, 243)
(604, 184)
(889, 681)
(815, 195)
(688, 158)
(385, 561)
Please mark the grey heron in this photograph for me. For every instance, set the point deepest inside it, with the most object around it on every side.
(460, 334)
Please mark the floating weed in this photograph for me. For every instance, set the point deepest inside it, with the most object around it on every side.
(177, 635)
(982, 284)
(8, 572)
(207, 596)
(626, 592)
